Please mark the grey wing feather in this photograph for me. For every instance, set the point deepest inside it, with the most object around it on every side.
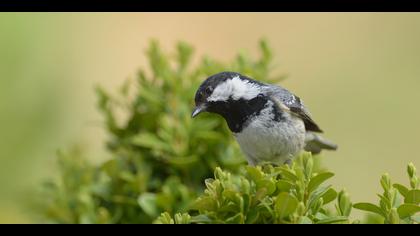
(294, 104)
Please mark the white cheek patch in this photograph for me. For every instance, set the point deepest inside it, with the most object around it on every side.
(235, 88)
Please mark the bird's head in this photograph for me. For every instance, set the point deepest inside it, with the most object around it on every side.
(219, 92)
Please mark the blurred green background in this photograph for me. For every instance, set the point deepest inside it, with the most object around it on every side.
(359, 73)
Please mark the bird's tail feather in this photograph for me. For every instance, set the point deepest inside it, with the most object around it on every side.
(315, 143)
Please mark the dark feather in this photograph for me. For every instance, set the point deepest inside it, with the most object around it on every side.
(295, 105)
(310, 124)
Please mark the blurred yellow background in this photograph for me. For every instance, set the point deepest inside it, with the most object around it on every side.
(359, 73)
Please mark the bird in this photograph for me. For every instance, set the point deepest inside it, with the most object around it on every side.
(271, 124)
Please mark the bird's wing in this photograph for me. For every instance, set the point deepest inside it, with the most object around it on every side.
(294, 105)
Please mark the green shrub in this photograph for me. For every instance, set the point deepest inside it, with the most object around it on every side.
(294, 195)
(163, 161)
(398, 203)
(268, 195)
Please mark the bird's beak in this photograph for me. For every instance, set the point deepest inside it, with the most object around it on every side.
(198, 109)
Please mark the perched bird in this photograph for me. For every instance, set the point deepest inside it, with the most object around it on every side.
(270, 123)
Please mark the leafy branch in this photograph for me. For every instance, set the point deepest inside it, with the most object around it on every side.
(398, 203)
(269, 195)
(163, 161)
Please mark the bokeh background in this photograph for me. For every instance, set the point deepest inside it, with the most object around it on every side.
(359, 73)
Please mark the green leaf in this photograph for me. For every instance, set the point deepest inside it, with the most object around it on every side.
(147, 202)
(252, 216)
(411, 170)
(385, 181)
(344, 204)
(184, 54)
(268, 184)
(408, 209)
(308, 165)
(204, 203)
(305, 220)
(329, 196)
(236, 219)
(393, 216)
(414, 182)
(164, 218)
(320, 216)
(183, 218)
(318, 180)
(288, 174)
(317, 205)
(365, 206)
(200, 219)
(285, 204)
(149, 140)
(110, 167)
(284, 185)
(183, 161)
(230, 207)
(317, 194)
(208, 135)
(413, 196)
(231, 195)
(254, 173)
(416, 218)
(401, 188)
(332, 220)
(384, 202)
(266, 51)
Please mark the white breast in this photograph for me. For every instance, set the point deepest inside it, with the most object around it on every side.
(265, 140)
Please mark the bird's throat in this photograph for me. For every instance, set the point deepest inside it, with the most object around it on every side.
(237, 113)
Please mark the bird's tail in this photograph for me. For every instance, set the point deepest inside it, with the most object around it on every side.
(314, 143)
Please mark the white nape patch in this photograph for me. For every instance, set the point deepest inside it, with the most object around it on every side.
(236, 88)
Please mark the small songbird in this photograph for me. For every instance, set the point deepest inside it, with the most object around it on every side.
(270, 123)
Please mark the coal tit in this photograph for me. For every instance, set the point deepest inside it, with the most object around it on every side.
(270, 123)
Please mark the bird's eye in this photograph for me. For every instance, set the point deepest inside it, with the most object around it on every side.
(208, 90)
